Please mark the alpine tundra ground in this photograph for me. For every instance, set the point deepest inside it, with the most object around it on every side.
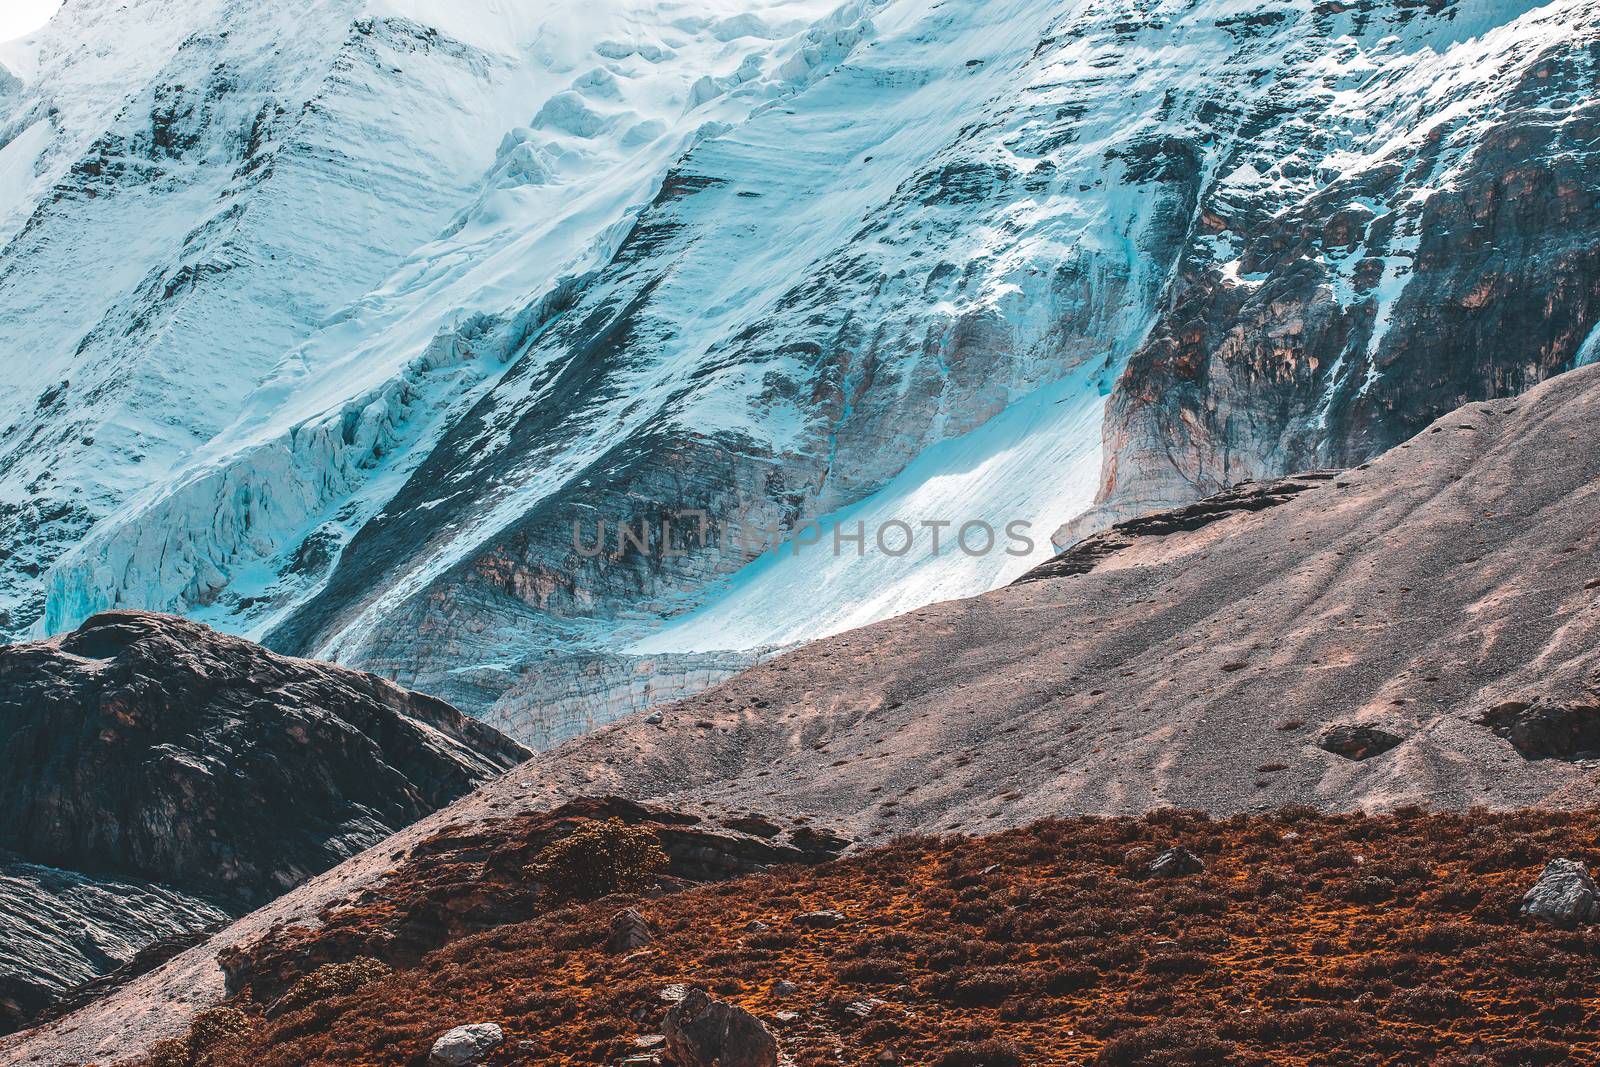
(1307, 939)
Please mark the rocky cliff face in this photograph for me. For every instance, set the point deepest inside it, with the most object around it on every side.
(64, 931)
(157, 775)
(1457, 261)
(891, 262)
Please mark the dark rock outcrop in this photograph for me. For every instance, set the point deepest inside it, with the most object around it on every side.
(1244, 498)
(1357, 741)
(148, 746)
(1548, 729)
(1176, 863)
(1322, 332)
(156, 777)
(61, 932)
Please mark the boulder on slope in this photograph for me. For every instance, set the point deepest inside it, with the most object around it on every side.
(704, 1032)
(1564, 895)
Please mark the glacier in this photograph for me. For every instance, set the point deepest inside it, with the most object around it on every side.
(322, 439)
(404, 296)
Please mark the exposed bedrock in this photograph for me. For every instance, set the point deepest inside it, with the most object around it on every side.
(157, 776)
(1465, 266)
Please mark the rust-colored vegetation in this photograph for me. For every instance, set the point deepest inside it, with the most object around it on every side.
(1308, 939)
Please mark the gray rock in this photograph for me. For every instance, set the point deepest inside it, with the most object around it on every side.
(629, 931)
(466, 1045)
(1548, 729)
(821, 920)
(785, 988)
(61, 931)
(703, 1032)
(1564, 895)
(1176, 863)
(282, 769)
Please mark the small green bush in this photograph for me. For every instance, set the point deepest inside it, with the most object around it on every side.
(210, 1028)
(599, 859)
(329, 981)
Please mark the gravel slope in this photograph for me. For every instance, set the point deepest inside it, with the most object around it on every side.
(1453, 575)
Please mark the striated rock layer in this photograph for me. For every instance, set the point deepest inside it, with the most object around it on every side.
(157, 776)
(65, 930)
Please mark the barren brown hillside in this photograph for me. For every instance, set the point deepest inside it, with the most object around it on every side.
(1448, 594)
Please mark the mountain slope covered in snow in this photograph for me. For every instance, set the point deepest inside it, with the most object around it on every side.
(260, 170)
(738, 275)
(207, 183)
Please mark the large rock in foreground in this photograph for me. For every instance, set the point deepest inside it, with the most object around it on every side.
(189, 774)
(704, 1032)
(1564, 895)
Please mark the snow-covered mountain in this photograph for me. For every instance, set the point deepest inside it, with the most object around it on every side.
(193, 190)
(329, 324)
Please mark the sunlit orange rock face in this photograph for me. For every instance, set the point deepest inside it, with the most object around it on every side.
(1306, 939)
